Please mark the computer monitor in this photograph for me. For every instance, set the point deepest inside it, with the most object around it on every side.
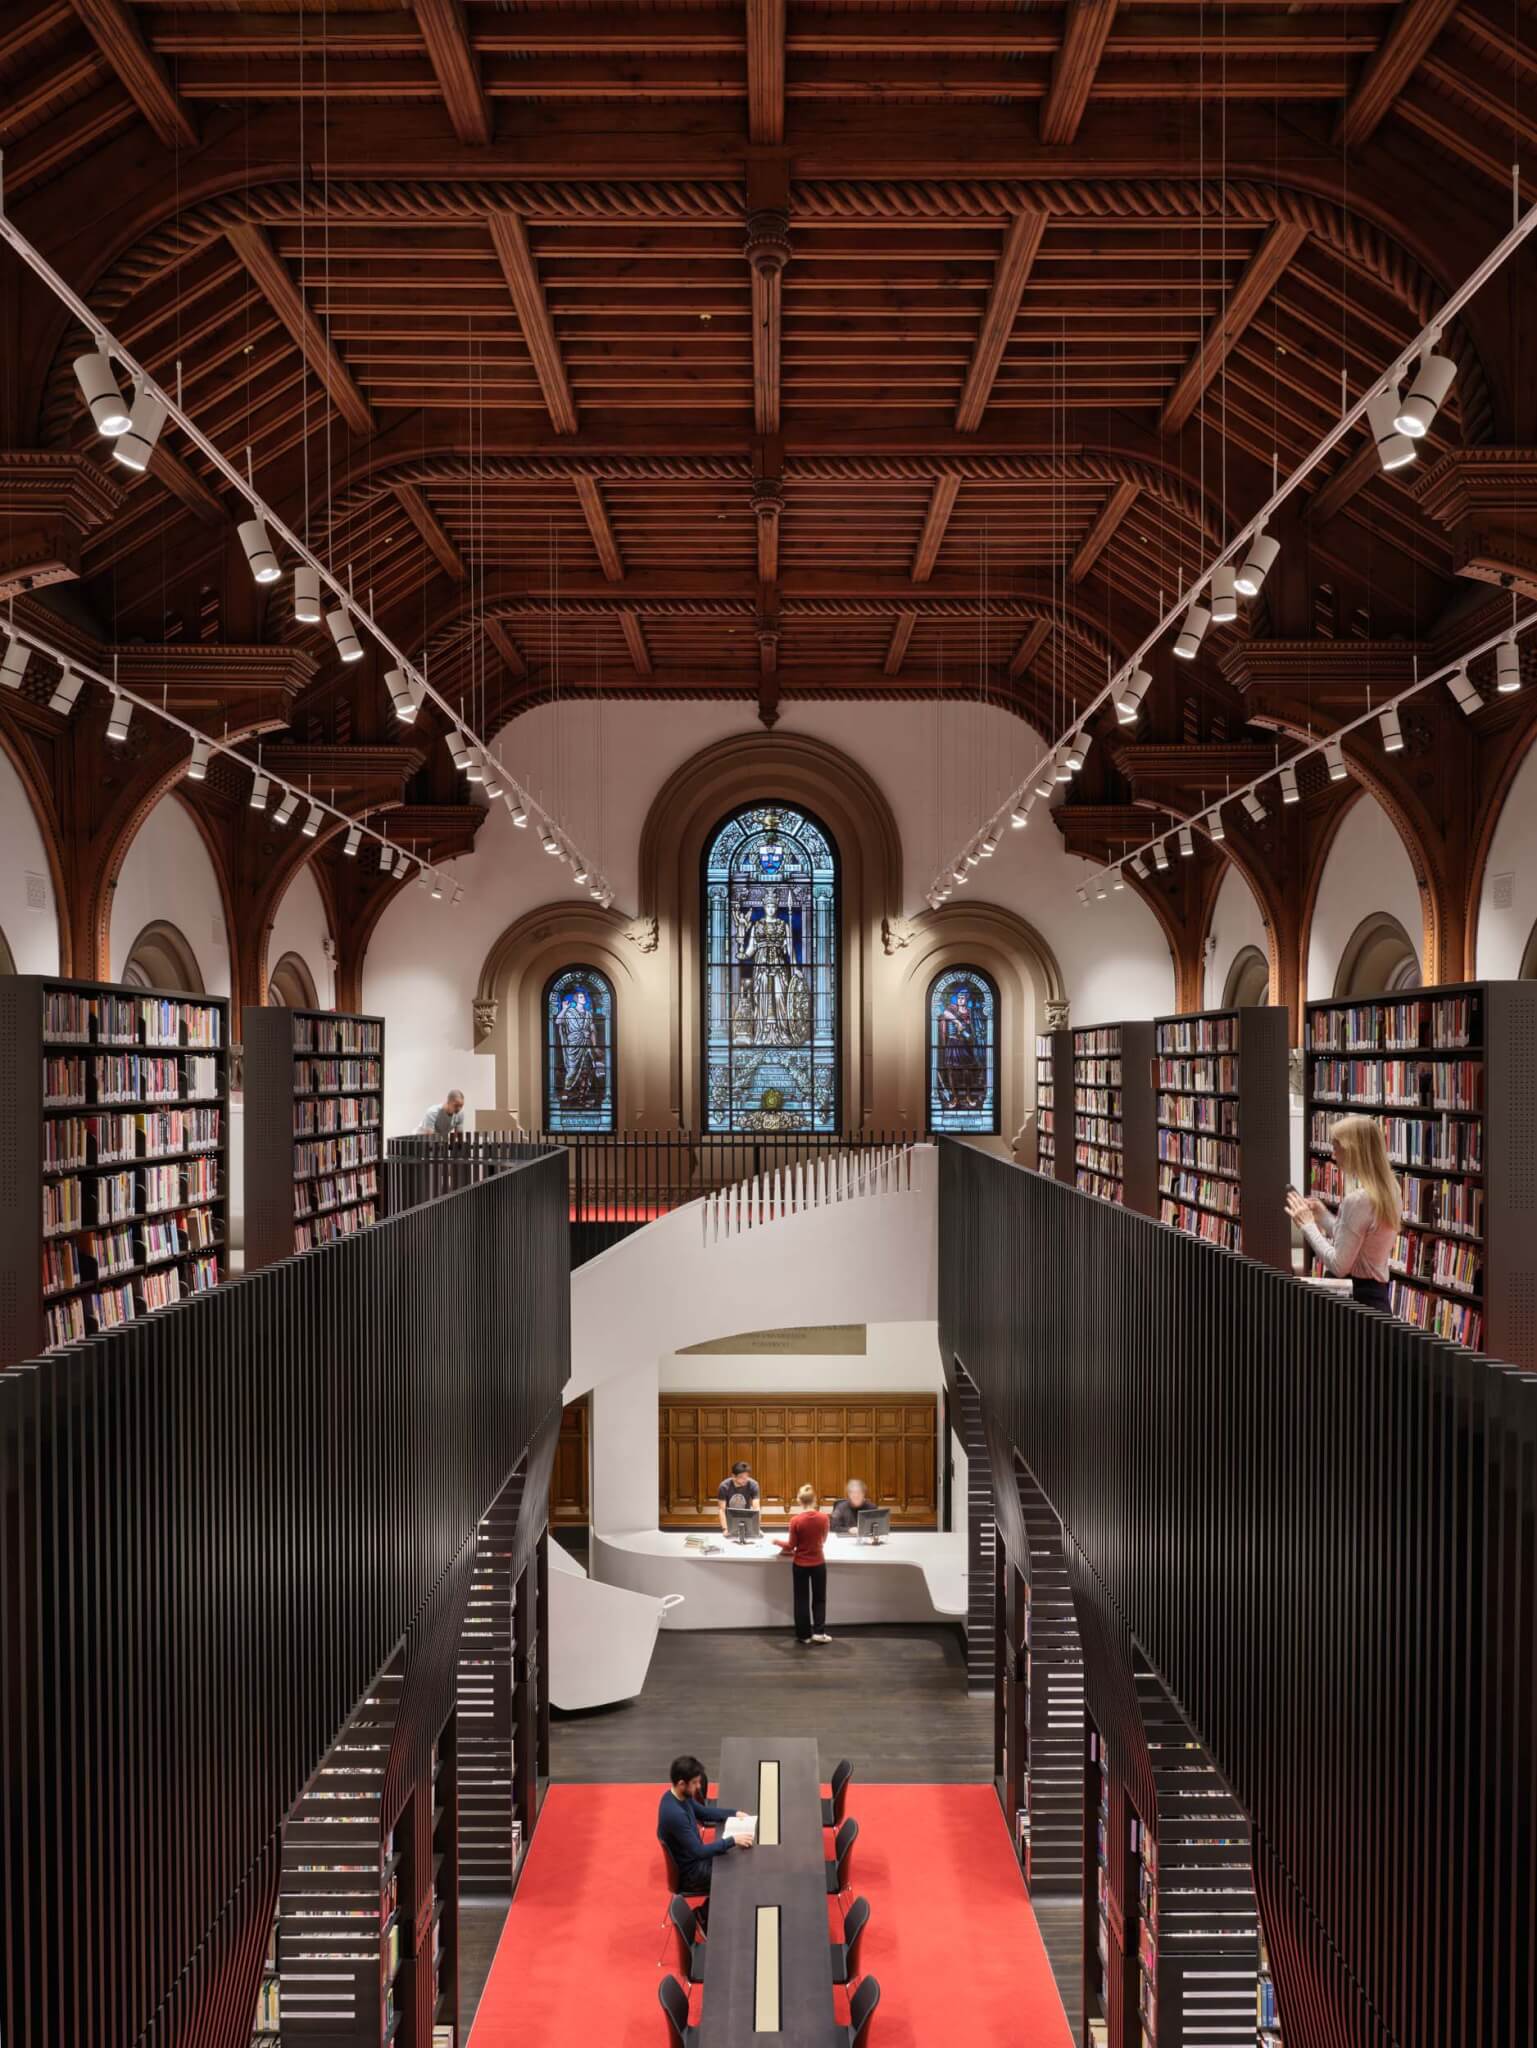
(744, 1525)
(874, 1525)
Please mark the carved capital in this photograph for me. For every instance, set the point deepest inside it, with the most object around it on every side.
(485, 1009)
(642, 933)
(767, 247)
(1057, 1017)
(896, 933)
(768, 498)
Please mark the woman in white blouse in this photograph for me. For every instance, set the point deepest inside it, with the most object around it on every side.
(1355, 1239)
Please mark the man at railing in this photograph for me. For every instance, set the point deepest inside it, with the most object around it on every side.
(444, 1119)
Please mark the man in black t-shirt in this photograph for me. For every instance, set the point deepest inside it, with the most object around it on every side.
(739, 1491)
(845, 1516)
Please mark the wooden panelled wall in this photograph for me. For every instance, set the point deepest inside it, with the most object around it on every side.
(217, 1526)
(794, 1440)
(1318, 1526)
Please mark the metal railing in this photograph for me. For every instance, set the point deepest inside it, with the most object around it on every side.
(816, 1183)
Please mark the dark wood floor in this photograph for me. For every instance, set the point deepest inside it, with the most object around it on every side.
(1061, 1925)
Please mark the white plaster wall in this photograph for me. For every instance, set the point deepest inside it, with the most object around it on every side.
(1503, 932)
(301, 927)
(1235, 923)
(168, 875)
(32, 933)
(939, 771)
(899, 1358)
(1367, 870)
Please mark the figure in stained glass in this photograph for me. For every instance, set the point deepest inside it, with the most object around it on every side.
(578, 1051)
(963, 1052)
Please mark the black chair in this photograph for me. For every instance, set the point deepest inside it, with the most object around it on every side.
(675, 2004)
(688, 1927)
(861, 2006)
(838, 1798)
(838, 1868)
(846, 1952)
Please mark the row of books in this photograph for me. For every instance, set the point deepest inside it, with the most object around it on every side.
(1440, 1260)
(1451, 1143)
(1407, 1084)
(1199, 1034)
(1459, 1321)
(70, 1262)
(1199, 1113)
(336, 1113)
(1045, 1108)
(1191, 1187)
(1219, 1230)
(1107, 1186)
(128, 1020)
(128, 1077)
(1200, 1076)
(335, 1077)
(109, 1308)
(1409, 1025)
(1097, 1073)
(333, 1192)
(1098, 1130)
(333, 1155)
(1103, 1038)
(1210, 1155)
(327, 1229)
(1440, 1204)
(70, 1204)
(83, 1141)
(337, 1034)
(1098, 1101)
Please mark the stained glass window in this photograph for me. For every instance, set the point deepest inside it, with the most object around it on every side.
(579, 1051)
(770, 945)
(963, 1051)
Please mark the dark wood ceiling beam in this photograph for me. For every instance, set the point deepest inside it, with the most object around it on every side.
(901, 634)
(589, 496)
(143, 75)
(270, 276)
(1029, 647)
(635, 640)
(1353, 475)
(510, 240)
(428, 525)
(765, 71)
(1086, 27)
(1100, 534)
(167, 468)
(1415, 27)
(453, 61)
(947, 489)
(1261, 274)
(1021, 242)
(511, 654)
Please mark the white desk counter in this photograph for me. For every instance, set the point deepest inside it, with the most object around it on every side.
(915, 1575)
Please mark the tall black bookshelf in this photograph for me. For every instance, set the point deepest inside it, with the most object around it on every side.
(1223, 1130)
(114, 1130)
(313, 1129)
(1451, 1073)
(1115, 1114)
(1054, 1105)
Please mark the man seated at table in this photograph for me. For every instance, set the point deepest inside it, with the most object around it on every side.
(682, 1809)
(845, 1516)
(739, 1491)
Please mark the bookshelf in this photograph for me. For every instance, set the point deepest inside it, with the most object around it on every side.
(1115, 1115)
(1267, 2014)
(313, 1135)
(1222, 1126)
(1434, 1066)
(442, 1939)
(1097, 1897)
(114, 1127)
(267, 2025)
(1147, 1935)
(1054, 1105)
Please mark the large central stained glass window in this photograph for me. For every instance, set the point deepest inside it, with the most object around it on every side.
(770, 941)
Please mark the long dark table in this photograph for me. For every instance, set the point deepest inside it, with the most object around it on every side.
(790, 1876)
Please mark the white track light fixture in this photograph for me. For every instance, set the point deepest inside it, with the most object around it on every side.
(1139, 867)
(1118, 879)
(1216, 831)
(312, 822)
(517, 813)
(1193, 631)
(402, 697)
(1160, 855)
(14, 666)
(960, 875)
(136, 444)
(1062, 767)
(307, 595)
(1083, 896)
(1468, 699)
(1289, 791)
(65, 691)
(1133, 690)
(1224, 596)
(458, 746)
(474, 768)
(424, 877)
(1186, 842)
(1334, 756)
(348, 646)
(596, 892)
(989, 843)
(1258, 563)
(119, 718)
(494, 782)
(258, 550)
(260, 789)
(1019, 817)
(197, 767)
(99, 388)
(354, 838)
(1047, 780)
(1255, 809)
(1394, 448)
(1427, 394)
(1101, 892)
(1507, 667)
(437, 889)
(283, 815)
(386, 858)
(579, 875)
(1078, 752)
(973, 858)
(1392, 731)
(548, 841)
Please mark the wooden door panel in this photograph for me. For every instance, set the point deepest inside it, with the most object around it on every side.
(798, 1439)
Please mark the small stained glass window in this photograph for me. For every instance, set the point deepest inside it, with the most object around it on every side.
(963, 1052)
(579, 1052)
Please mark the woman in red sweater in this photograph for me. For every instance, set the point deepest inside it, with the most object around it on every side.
(808, 1567)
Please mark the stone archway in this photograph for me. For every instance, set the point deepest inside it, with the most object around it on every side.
(1379, 958)
(161, 957)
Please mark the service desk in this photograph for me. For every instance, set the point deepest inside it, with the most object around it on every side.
(768, 1960)
(918, 1575)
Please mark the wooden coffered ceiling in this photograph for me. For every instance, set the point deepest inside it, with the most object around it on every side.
(766, 349)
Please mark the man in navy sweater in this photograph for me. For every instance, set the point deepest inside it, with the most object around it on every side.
(677, 1825)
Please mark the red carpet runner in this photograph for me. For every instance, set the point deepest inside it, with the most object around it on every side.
(951, 1935)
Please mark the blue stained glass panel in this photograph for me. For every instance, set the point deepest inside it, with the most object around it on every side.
(770, 950)
(963, 1052)
(579, 1051)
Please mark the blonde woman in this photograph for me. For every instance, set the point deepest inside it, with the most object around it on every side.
(1355, 1240)
(807, 1552)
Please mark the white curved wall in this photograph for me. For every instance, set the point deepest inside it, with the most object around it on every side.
(31, 929)
(168, 875)
(1503, 930)
(1235, 923)
(1367, 870)
(301, 927)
